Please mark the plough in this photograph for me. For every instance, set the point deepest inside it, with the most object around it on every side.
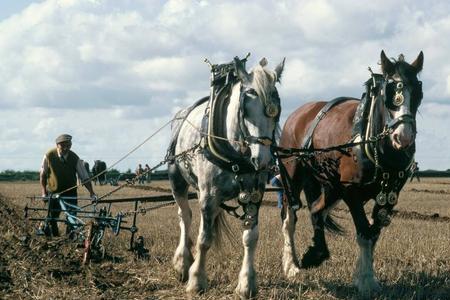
(88, 222)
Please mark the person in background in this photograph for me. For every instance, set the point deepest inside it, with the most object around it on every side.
(140, 174)
(148, 173)
(276, 182)
(58, 175)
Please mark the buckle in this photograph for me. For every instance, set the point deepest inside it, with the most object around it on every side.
(235, 168)
(265, 141)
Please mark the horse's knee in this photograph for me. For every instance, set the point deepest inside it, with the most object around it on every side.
(184, 212)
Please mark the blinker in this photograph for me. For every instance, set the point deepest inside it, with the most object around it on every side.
(271, 110)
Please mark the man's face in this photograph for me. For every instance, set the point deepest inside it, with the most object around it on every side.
(64, 147)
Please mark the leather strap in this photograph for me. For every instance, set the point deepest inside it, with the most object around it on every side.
(307, 140)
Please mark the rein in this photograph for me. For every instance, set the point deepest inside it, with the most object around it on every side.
(310, 152)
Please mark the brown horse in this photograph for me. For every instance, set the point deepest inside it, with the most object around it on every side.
(382, 128)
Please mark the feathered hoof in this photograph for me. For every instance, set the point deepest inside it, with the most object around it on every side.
(181, 264)
(183, 276)
(246, 292)
(197, 284)
(292, 272)
(314, 257)
(247, 287)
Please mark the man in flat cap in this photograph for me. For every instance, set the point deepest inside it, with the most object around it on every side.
(59, 171)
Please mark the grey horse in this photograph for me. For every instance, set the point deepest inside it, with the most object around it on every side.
(221, 146)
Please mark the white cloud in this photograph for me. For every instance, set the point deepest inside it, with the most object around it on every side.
(110, 72)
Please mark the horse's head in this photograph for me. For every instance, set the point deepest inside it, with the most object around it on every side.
(259, 110)
(402, 97)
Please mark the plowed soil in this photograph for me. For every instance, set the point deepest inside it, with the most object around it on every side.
(412, 259)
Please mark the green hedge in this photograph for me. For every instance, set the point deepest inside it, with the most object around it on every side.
(10, 175)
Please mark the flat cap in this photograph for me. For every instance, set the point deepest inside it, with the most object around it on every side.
(63, 138)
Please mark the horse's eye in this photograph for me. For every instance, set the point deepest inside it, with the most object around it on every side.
(399, 85)
(251, 92)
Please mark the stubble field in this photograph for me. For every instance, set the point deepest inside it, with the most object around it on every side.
(412, 257)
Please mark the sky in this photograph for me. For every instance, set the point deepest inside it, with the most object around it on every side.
(112, 73)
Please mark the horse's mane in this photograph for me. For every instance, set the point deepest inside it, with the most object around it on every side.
(264, 81)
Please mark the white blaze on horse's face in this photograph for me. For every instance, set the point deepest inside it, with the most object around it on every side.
(404, 134)
(258, 125)
(261, 108)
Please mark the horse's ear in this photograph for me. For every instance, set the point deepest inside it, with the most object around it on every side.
(386, 64)
(418, 63)
(241, 72)
(279, 69)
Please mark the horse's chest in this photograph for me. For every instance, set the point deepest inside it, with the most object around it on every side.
(351, 169)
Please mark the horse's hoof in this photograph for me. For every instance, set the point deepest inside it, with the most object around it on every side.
(247, 287)
(290, 269)
(181, 264)
(292, 272)
(246, 293)
(183, 277)
(182, 271)
(197, 284)
(195, 289)
(314, 257)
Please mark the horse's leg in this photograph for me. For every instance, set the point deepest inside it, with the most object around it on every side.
(246, 287)
(182, 259)
(198, 281)
(289, 219)
(364, 277)
(318, 198)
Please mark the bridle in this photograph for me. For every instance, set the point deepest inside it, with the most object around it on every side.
(397, 101)
(271, 110)
(220, 150)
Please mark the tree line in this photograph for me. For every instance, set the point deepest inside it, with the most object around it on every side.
(11, 175)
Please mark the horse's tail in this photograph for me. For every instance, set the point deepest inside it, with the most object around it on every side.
(332, 226)
(221, 228)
